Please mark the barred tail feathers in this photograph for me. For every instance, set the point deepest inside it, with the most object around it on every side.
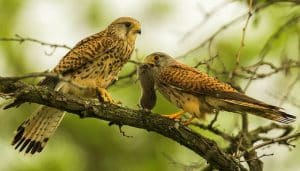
(33, 134)
(266, 111)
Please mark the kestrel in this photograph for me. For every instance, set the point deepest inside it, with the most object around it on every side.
(197, 93)
(92, 65)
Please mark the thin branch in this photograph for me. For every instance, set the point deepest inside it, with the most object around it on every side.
(289, 90)
(215, 131)
(268, 45)
(30, 75)
(207, 16)
(214, 120)
(254, 134)
(224, 27)
(40, 74)
(259, 157)
(135, 62)
(206, 62)
(242, 44)
(254, 75)
(129, 75)
(22, 39)
(273, 141)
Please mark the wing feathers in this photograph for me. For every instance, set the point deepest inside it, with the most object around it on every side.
(189, 80)
(82, 53)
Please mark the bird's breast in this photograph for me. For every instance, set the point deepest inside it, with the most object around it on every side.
(103, 70)
(187, 102)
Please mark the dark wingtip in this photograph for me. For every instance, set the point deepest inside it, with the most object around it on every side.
(286, 118)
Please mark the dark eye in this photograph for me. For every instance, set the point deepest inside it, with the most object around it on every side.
(156, 58)
(127, 24)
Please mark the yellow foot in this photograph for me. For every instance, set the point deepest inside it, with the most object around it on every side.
(174, 115)
(103, 96)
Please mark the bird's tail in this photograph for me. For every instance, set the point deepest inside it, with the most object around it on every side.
(33, 134)
(263, 110)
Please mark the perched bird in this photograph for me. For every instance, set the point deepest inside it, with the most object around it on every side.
(197, 93)
(91, 66)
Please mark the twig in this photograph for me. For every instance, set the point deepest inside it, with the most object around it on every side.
(268, 44)
(22, 39)
(120, 129)
(206, 62)
(289, 90)
(129, 75)
(135, 62)
(207, 16)
(40, 74)
(254, 75)
(214, 120)
(259, 157)
(30, 75)
(215, 131)
(245, 123)
(242, 44)
(224, 27)
(254, 134)
(272, 141)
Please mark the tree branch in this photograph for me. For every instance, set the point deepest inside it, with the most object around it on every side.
(206, 148)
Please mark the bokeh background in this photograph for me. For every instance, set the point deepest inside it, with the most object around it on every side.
(172, 26)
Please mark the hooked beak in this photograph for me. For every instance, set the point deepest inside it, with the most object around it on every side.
(138, 31)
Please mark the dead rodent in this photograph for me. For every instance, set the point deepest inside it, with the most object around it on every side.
(148, 96)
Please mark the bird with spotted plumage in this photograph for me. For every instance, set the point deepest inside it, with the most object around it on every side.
(91, 66)
(197, 93)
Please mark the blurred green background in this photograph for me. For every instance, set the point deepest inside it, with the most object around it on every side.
(171, 26)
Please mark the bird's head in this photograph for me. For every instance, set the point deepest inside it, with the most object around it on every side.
(125, 28)
(158, 59)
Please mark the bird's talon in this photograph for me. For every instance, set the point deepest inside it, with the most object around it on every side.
(189, 121)
(103, 96)
(174, 116)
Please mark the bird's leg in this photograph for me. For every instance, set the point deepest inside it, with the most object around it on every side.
(104, 96)
(189, 121)
(174, 115)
